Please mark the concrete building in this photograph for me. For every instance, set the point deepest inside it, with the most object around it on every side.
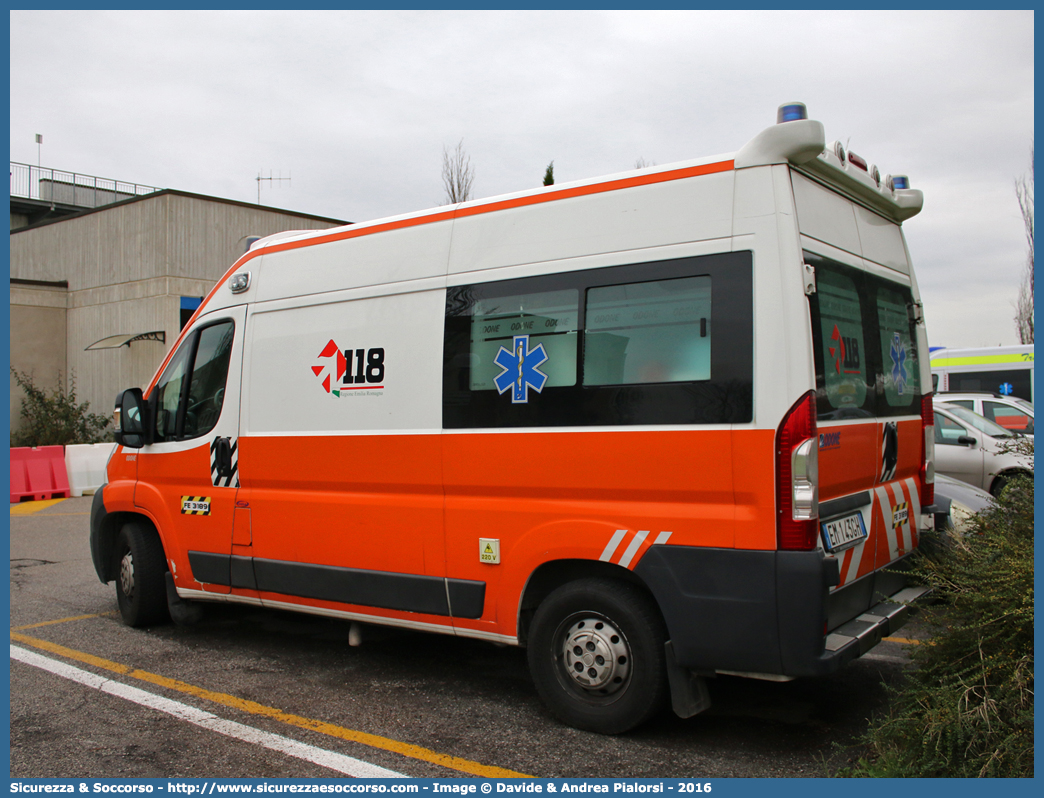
(103, 293)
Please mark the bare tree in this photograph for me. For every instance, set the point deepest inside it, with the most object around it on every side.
(641, 163)
(457, 174)
(1024, 304)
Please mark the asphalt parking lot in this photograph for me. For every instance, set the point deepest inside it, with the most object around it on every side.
(250, 692)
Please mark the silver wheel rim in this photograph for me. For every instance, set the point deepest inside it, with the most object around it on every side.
(596, 656)
(127, 574)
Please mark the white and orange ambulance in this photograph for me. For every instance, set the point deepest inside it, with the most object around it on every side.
(654, 427)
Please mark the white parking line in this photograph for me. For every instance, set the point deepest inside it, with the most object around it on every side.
(309, 753)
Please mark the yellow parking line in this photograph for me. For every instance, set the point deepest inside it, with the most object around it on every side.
(28, 508)
(61, 620)
(55, 515)
(330, 729)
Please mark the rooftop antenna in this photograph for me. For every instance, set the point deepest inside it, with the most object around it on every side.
(270, 179)
(39, 143)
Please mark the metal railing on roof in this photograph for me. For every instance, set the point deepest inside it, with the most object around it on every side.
(70, 188)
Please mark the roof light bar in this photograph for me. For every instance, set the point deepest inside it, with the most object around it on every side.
(791, 112)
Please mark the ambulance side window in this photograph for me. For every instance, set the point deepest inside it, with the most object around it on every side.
(548, 318)
(618, 345)
(650, 332)
(190, 394)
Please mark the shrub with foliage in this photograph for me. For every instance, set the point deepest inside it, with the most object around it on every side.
(52, 418)
(966, 710)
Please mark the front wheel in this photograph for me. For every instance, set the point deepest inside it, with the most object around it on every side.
(596, 653)
(140, 567)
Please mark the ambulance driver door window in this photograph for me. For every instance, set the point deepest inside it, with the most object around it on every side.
(189, 401)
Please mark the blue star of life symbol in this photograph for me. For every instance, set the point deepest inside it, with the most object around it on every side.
(1007, 389)
(898, 354)
(520, 369)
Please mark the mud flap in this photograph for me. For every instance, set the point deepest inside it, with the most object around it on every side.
(183, 613)
(689, 694)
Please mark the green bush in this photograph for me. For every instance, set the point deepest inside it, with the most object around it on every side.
(966, 709)
(53, 418)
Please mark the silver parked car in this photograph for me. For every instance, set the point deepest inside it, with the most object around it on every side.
(973, 449)
(1011, 412)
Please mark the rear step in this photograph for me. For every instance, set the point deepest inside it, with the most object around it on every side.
(877, 622)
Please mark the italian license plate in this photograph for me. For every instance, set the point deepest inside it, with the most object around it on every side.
(844, 532)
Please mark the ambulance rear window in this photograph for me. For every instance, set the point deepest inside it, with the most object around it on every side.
(865, 343)
(840, 332)
(898, 347)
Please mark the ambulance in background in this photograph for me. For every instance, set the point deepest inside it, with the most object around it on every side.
(653, 427)
(1003, 370)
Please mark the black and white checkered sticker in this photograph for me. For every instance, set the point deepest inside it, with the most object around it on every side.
(232, 480)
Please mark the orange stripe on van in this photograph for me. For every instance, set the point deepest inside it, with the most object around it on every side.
(442, 216)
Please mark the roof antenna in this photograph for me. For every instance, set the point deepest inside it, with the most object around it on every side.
(270, 179)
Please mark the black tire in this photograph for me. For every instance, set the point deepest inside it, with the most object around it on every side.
(999, 483)
(141, 590)
(618, 628)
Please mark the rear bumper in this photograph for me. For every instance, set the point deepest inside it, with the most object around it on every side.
(770, 612)
(855, 638)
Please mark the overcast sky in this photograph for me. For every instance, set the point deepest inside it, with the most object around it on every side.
(357, 106)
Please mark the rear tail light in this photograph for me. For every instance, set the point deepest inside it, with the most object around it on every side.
(928, 451)
(797, 477)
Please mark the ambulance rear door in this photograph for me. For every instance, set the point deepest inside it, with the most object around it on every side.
(869, 343)
(871, 440)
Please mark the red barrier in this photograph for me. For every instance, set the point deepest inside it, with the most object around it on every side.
(38, 474)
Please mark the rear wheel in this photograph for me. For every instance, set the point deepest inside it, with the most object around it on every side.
(140, 568)
(596, 653)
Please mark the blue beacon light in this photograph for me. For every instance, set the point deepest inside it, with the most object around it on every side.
(900, 182)
(791, 112)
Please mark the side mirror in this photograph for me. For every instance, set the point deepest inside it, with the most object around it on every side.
(131, 419)
(966, 440)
